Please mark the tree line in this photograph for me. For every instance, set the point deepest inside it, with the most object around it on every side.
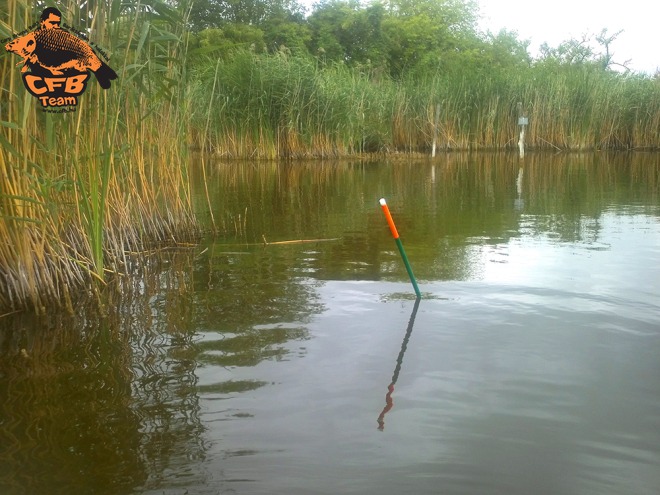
(397, 38)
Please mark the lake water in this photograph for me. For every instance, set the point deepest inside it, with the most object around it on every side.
(530, 366)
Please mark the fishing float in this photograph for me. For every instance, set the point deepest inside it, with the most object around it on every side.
(399, 244)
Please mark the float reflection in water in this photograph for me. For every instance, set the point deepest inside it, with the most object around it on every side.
(389, 402)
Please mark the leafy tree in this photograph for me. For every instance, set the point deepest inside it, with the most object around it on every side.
(205, 14)
(223, 25)
(508, 49)
(216, 13)
(419, 31)
(454, 15)
(330, 25)
(286, 29)
(588, 50)
(282, 34)
(505, 50)
(367, 46)
(220, 42)
(572, 51)
(399, 34)
(410, 39)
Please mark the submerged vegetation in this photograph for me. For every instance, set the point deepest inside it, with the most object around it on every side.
(257, 79)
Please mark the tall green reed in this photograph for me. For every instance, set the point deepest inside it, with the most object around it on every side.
(269, 106)
(78, 191)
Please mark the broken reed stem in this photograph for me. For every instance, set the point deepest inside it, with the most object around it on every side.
(295, 241)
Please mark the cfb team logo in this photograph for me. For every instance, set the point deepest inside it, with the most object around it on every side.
(56, 63)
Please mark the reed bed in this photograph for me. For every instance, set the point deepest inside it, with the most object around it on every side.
(80, 190)
(270, 106)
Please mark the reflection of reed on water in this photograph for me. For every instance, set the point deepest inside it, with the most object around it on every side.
(389, 402)
(103, 401)
(65, 406)
(108, 400)
(481, 197)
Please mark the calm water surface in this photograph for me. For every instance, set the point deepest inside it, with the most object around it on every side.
(530, 366)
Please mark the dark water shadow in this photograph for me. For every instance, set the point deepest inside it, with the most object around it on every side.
(104, 400)
(389, 402)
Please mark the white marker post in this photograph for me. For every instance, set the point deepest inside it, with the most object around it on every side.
(522, 122)
(436, 124)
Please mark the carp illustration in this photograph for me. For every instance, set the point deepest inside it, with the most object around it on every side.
(57, 51)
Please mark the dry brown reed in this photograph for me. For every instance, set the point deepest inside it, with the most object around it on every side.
(265, 106)
(79, 190)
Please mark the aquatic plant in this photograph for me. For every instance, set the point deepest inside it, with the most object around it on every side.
(283, 105)
(79, 190)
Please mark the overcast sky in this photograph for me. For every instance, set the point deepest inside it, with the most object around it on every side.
(558, 20)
